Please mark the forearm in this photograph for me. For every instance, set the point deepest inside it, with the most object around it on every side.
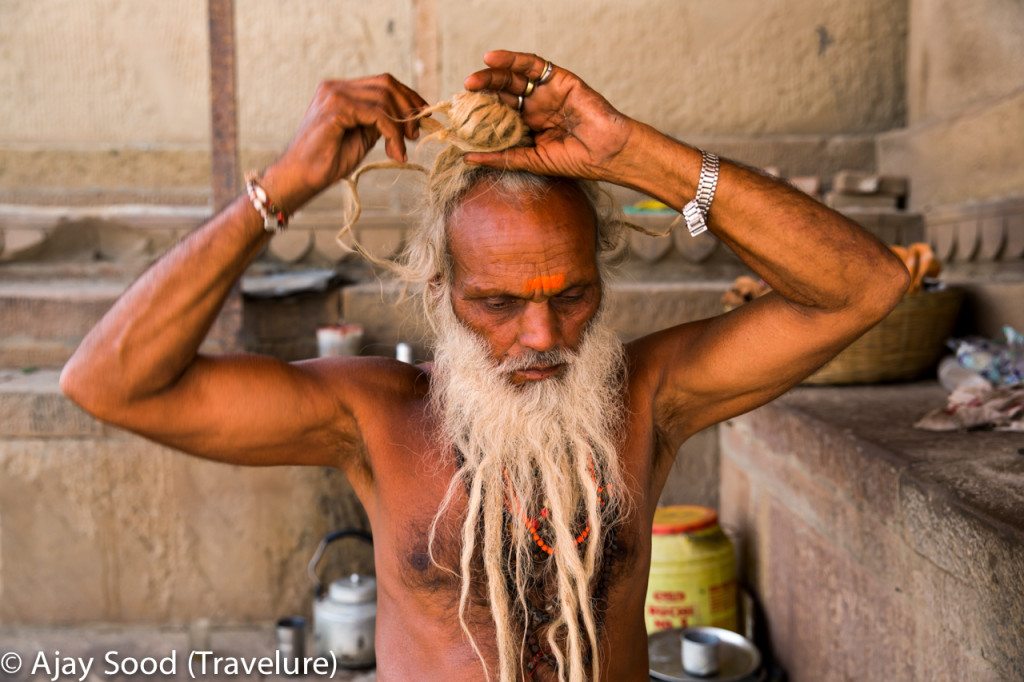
(807, 252)
(147, 340)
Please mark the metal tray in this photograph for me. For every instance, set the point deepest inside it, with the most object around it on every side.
(739, 659)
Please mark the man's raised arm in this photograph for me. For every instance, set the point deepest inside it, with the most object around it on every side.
(139, 368)
(831, 279)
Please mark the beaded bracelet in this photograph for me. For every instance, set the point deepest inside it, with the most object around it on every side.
(274, 218)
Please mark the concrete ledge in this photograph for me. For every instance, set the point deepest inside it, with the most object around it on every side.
(46, 318)
(879, 551)
(146, 534)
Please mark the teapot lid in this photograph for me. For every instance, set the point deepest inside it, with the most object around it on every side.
(355, 589)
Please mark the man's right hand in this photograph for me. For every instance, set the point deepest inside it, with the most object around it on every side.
(343, 122)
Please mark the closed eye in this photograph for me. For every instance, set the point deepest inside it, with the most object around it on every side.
(498, 304)
(570, 296)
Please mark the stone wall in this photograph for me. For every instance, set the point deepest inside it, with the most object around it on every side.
(877, 551)
(98, 525)
(113, 96)
(965, 103)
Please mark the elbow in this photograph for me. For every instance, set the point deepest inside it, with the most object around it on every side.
(76, 385)
(73, 387)
(898, 283)
(68, 382)
(888, 291)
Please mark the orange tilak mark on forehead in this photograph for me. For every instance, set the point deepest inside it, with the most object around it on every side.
(544, 284)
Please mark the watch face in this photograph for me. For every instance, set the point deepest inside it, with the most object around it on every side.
(694, 218)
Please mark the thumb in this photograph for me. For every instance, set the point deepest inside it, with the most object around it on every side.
(516, 158)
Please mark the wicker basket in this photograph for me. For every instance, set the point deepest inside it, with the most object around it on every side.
(904, 345)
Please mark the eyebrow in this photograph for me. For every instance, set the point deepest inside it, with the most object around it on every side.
(472, 292)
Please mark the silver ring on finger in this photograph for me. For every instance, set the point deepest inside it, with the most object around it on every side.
(530, 85)
(545, 75)
(519, 106)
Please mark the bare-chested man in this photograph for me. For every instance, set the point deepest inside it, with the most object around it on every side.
(511, 483)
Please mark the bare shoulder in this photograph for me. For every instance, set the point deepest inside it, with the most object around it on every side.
(648, 358)
(370, 387)
(380, 398)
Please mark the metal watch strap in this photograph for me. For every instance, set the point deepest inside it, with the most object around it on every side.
(695, 212)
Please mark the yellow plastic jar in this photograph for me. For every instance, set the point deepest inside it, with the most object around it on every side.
(693, 571)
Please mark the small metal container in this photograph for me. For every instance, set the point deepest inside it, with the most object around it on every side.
(739, 660)
(291, 640)
(345, 621)
(345, 614)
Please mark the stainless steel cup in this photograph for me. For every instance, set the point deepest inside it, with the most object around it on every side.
(291, 640)
(700, 653)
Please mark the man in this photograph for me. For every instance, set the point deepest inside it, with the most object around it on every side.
(516, 477)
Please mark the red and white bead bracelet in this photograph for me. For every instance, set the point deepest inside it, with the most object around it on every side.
(274, 218)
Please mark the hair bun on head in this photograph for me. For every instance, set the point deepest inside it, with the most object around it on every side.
(477, 122)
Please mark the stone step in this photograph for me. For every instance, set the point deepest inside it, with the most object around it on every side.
(890, 226)
(32, 406)
(45, 320)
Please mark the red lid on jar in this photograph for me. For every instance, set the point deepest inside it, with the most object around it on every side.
(683, 518)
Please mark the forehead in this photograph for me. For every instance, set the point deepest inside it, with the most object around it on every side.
(512, 243)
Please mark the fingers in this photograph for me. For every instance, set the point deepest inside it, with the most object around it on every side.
(388, 105)
(499, 80)
(400, 104)
(528, 64)
(510, 100)
(412, 104)
(508, 72)
(516, 158)
(372, 112)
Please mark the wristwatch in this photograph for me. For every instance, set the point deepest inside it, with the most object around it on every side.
(695, 212)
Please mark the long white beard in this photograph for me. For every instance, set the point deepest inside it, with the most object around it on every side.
(545, 444)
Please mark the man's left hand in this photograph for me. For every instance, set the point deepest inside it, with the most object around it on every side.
(577, 133)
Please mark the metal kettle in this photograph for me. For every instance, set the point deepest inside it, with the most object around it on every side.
(345, 613)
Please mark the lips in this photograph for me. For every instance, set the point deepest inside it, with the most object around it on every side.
(539, 372)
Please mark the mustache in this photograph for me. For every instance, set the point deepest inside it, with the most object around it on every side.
(533, 358)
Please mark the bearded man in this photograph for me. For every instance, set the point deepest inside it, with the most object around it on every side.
(516, 476)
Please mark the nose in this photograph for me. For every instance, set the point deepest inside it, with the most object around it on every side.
(539, 327)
